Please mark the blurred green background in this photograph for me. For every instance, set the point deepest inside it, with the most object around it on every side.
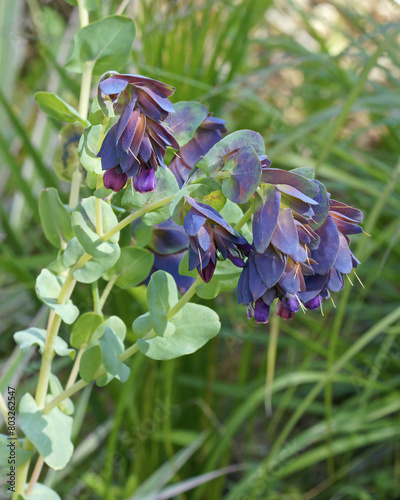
(320, 82)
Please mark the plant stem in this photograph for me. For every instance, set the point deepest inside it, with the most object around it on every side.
(75, 187)
(83, 14)
(184, 299)
(75, 369)
(271, 357)
(96, 298)
(106, 292)
(246, 216)
(35, 475)
(135, 215)
(99, 213)
(3, 409)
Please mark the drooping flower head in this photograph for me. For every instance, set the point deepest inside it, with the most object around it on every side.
(300, 248)
(135, 146)
(208, 233)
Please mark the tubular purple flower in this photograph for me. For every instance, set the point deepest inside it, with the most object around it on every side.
(137, 143)
(208, 233)
(114, 180)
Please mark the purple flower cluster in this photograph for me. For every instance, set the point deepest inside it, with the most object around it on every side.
(136, 144)
(300, 250)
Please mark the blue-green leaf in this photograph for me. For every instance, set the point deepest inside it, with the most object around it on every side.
(21, 456)
(41, 492)
(48, 287)
(50, 434)
(37, 336)
(195, 326)
(84, 329)
(84, 226)
(132, 268)
(162, 295)
(57, 108)
(105, 44)
(95, 267)
(111, 347)
(55, 218)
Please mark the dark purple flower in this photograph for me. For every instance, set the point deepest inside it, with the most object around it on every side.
(208, 233)
(145, 181)
(137, 143)
(114, 180)
(332, 259)
(207, 135)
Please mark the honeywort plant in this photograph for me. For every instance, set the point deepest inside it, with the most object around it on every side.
(215, 213)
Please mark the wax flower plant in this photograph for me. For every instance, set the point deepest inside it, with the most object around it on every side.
(217, 216)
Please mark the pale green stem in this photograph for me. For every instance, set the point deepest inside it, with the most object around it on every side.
(106, 291)
(135, 215)
(99, 213)
(75, 187)
(271, 357)
(35, 475)
(3, 408)
(83, 14)
(96, 298)
(52, 332)
(244, 219)
(75, 369)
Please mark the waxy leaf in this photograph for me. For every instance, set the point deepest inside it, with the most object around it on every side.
(41, 492)
(89, 145)
(48, 287)
(162, 295)
(95, 267)
(111, 347)
(245, 173)
(55, 218)
(37, 336)
(132, 268)
(92, 358)
(21, 456)
(186, 120)
(90, 362)
(212, 160)
(57, 108)
(105, 44)
(84, 226)
(278, 176)
(285, 236)
(50, 434)
(194, 327)
(265, 219)
(84, 329)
